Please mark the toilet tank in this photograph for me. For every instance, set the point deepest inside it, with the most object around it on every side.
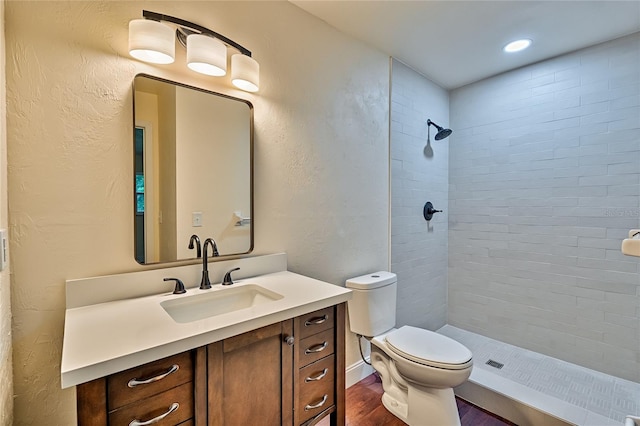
(372, 308)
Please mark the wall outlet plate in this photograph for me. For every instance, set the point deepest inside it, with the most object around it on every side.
(4, 249)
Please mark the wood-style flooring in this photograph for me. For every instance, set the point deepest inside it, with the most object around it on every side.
(364, 408)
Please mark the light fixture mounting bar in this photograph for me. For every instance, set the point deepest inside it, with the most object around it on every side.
(190, 25)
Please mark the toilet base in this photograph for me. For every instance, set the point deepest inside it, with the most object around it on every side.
(425, 407)
(413, 403)
(430, 406)
(395, 407)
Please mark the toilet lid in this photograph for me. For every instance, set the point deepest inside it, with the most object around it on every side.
(428, 348)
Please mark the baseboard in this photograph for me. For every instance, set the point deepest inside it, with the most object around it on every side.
(358, 371)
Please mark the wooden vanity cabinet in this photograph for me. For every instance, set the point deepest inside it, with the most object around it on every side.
(168, 390)
(319, 366)
(287, 373)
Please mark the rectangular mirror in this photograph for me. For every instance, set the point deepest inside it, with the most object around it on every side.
(193, 159)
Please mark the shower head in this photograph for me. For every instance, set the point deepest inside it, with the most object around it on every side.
(442, 132)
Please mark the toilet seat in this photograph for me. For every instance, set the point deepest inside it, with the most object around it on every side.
(428, 348)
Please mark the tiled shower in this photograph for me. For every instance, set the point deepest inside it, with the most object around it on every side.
(539, 184)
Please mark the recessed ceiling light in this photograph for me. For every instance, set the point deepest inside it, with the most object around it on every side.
(516, 46)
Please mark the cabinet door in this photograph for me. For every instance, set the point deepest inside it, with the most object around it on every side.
(250, 377)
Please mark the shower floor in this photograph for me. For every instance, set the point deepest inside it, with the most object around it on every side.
(567, 391)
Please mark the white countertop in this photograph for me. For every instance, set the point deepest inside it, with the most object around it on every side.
(105, 338)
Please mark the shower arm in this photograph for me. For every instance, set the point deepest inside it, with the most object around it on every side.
(431, 123)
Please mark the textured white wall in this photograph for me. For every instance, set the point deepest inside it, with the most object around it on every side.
(419, 173)
(544, 185)
(321, 172)
(6, 371)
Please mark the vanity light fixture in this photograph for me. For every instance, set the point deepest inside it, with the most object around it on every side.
(151, 40)
(517, 45)
(206, 55)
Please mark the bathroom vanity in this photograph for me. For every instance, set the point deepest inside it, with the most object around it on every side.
(274, 363)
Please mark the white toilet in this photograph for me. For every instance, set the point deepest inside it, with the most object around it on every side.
(418, 367)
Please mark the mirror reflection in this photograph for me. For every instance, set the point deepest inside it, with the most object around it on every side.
(192, 168)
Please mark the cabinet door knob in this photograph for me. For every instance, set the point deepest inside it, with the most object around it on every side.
(290, 340)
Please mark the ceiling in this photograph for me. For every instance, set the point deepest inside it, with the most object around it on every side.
(454, 43)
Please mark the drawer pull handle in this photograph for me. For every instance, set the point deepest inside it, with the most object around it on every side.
(318, 377)
(318, 405)
(135, 382)
(316, 321)
(315, 349)
(137, 422)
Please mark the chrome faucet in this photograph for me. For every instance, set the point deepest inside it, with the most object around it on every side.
(205, 283)
(195, 238)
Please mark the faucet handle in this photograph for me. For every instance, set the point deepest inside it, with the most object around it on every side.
(179, 285)
(227, 277)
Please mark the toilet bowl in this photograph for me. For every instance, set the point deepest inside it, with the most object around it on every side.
(418, 368)
(420, 382)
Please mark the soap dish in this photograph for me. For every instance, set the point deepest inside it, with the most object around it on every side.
(631, 245)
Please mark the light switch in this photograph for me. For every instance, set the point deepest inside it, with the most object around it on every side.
(196, 219)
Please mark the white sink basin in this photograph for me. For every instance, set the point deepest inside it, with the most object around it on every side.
(218, 302)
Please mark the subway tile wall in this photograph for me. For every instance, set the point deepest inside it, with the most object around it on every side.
(544, 181)
(419, 173)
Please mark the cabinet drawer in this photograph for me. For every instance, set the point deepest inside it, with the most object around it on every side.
(315, 376)
(158, 405)
(316, 396)
(316, 322)
(149, 379)
(315, 347)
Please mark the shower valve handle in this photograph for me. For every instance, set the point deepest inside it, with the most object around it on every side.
(428, 211)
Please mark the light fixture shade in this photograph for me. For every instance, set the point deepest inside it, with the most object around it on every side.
(151, 41)
(245, 73)
(206, 55)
